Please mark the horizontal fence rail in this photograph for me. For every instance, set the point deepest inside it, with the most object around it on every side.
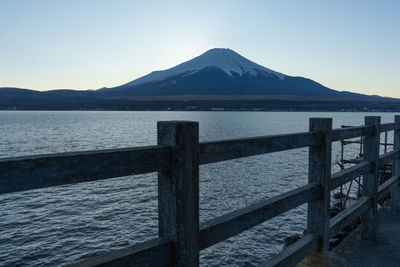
(347, 216)
(233, 223)
(211, 152)
(389, 157)
(386, 127)
(25, 173)
(177, 157)
(351, 132)
(155, 252)
(345, 176)
(387, 186)
(295, 252)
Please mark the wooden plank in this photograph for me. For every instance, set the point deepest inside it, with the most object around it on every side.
(387, 186)
(294, 253)
(228, 225)
(386, 127)
(395, 194)
(389, 157)
(347, 175)
(347, 216)
(319, 171)
(237, 148)
(370, 180)
(350, 132)
(155, 252)
(178, 190)
(25, 173)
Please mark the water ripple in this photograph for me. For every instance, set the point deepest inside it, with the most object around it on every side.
(65, 224)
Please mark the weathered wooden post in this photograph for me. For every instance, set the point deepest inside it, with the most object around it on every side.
(370, 180)
(319, 171)
(178, 190)
(395, 194)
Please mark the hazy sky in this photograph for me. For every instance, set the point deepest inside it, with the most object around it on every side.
(345, 45)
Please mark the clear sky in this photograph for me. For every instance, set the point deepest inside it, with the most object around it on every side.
(84, 44)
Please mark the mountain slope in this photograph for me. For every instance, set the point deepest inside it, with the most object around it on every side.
(226, 60)
(221, 72)
(219, 76)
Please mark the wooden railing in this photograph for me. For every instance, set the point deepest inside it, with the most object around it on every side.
(177, 157)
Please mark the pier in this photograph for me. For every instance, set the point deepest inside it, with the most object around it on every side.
(177, 157)
(383, 252)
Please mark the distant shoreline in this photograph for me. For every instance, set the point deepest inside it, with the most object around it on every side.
(213, 110)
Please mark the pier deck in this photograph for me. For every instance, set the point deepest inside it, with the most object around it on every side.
(385, 252)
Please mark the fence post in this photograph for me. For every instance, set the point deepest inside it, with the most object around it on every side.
(370, 180)
(319, 171)
(395, 194)
(178, 190)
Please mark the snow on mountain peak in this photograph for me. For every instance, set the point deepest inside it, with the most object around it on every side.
(223, 58)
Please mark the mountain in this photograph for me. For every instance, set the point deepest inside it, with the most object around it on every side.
(219, 77)
(220, 72)
(225, 60)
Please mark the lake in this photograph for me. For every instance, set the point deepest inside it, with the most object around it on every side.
(60, 225)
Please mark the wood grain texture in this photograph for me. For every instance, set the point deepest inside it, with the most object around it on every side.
(351, 132)
(228, 225)
(389, 157)
(319, 171)
(386, 127)
(237, 148)
(347, 216)
(26, 173)
(370, 180)
(388, 186)
(346, 175)
(294, 253)
(395, 194)
(178, 191)
(155, 252)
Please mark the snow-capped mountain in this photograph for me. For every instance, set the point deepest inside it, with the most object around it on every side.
(219, 71)
(217, 76)
(224, 59)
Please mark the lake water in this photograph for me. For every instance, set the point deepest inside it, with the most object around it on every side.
(60, 225)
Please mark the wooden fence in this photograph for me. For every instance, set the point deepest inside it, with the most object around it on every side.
(177, 157)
